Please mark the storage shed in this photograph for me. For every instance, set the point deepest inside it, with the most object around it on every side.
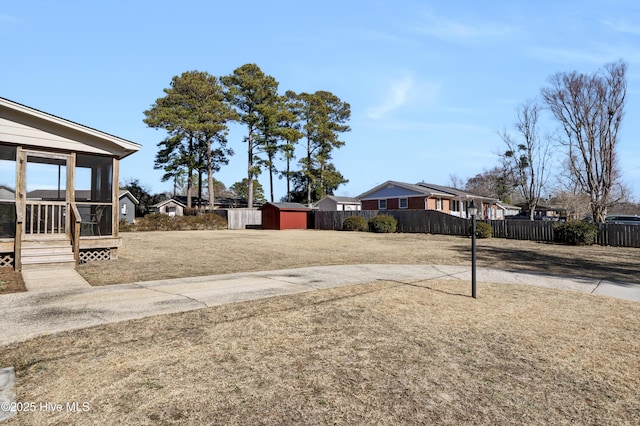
(284, 216)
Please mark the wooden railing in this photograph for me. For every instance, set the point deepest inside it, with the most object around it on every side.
(45, 217)
(17, 240)
(76, 222)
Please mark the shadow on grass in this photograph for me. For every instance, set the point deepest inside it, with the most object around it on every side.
(426, 287)
(546, 262)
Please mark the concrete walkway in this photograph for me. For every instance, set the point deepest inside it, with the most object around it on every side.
(53, 279)
(57, 307)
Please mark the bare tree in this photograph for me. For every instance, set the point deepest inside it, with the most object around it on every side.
(455, 181)
(527, 157)
(590, 109)
(494, 183)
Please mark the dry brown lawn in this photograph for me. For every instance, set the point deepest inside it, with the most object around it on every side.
(10, 281)
(387, 353)
(379, 353)
(157, 255)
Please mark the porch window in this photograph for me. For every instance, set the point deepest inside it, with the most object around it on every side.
(93, 194)
(7, 191)
(382, 204)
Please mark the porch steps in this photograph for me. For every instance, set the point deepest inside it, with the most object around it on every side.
(47, 253)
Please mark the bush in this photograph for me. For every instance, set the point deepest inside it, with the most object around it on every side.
(576, 233)
(163, 222)
(383, 224)
(125, 226)
(483, 230)
(355, 223)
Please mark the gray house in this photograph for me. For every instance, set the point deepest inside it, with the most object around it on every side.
(127, 206)
(170, 207)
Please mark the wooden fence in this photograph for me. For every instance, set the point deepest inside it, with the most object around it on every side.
(433, 222)
(241, 218)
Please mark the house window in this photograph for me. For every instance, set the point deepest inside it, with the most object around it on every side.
(404, 203)
(438, 203)
(382, 204)
(455, 205)
(123, 209)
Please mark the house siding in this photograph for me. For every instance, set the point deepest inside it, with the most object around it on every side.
(369, 204)
(393, 204)
(416, 203)
(129, 216)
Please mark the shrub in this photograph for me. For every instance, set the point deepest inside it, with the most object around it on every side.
(163, 222)
(355, 223)
(483, 230)
(576, 233)
(125, 226)
(383, 224)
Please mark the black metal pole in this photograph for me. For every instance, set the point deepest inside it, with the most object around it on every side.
(473, 256)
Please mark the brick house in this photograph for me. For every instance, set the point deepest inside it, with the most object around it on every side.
(393, 195)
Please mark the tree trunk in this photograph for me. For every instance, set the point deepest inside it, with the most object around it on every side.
(288, 179)
(250, 171)
(308, 172)
(210, 175)
(271, 177)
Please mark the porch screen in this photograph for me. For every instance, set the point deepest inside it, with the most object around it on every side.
(7, 191)
(93, 194)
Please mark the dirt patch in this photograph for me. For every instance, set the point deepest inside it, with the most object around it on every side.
(380, 353)
(158, 255)
(11, 281)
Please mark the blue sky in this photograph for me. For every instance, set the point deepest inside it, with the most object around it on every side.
(429, 82)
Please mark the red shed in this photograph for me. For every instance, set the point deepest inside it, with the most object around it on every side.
(284, 216)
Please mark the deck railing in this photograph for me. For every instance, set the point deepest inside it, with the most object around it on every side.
(45, 217)
(76, 222)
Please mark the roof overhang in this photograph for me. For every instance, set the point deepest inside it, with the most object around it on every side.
(25, 126)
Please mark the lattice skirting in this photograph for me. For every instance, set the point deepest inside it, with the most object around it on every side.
(95, 255)
(6, 259)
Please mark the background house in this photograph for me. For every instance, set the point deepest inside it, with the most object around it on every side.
(336, 203)
(393, 195)
(169, 207)
(127, 206)
(505, 210)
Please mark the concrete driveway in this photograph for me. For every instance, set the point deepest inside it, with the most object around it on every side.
(61, 305)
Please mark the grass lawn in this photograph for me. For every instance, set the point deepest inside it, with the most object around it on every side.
(419, 352)
(378, 353)
(156, 255)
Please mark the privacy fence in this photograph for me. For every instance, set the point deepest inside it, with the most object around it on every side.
(241, 218)
(433, 222)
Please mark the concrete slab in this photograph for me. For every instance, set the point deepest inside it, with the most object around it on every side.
(54, 278)
(618, 290)
(8, 408)
(61, 303)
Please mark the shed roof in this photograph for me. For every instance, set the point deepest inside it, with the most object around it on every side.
(288, 206)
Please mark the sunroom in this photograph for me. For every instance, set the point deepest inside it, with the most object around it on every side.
(58, 189)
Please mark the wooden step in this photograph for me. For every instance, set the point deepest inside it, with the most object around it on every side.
(47, 253)
(48, 265)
